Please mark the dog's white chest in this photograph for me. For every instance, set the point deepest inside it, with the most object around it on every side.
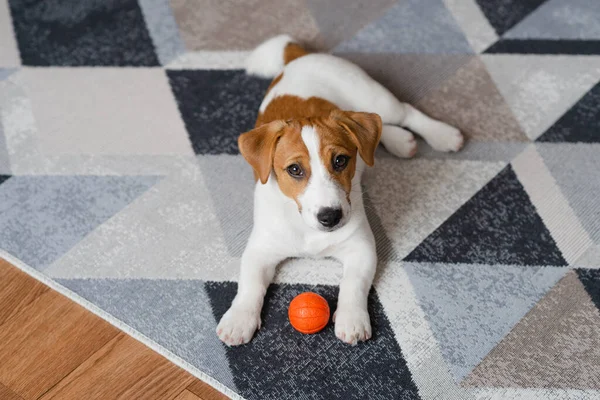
(316, 246)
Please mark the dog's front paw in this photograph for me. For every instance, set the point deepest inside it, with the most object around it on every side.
(446, 138)
(238, 326)
(352, 324)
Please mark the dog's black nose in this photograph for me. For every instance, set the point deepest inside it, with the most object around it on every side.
(329, 217)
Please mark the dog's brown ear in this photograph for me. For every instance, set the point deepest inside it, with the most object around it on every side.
(364, 129)
(258, 147)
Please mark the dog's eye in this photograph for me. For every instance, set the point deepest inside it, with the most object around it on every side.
(295, 170)
(340, 162)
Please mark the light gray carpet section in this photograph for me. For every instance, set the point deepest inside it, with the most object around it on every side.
(163, 29)
(559, 19)
(427, 27)
(42, 217)
(168, 232)
(575, 168)
(4, 159)
(176, 314)
(410, 77)
(335, 26)
(231, 187)
(472, 307)
(6, 72)
(591, 258)
(477, 151)
(540, 88)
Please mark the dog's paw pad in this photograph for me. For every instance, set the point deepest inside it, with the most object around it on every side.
(238, 326)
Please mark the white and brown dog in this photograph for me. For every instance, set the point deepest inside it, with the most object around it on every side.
(308, 152)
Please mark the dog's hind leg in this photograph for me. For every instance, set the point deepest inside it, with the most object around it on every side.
(439, 135)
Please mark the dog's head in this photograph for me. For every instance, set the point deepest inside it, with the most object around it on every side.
(314, 161)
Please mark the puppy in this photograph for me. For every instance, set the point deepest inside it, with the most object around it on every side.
(318, 127)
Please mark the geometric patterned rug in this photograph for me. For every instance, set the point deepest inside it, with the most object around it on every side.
(122, 186)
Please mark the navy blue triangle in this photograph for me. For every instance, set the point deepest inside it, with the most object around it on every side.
(590, 278)
(544, 46)
(498, 225)
(3, 178)
(316, 366)
(580, 124)
(504, 14)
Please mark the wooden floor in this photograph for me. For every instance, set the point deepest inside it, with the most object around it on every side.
(52, 348)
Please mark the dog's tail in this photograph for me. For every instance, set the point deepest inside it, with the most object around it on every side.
(269, 58)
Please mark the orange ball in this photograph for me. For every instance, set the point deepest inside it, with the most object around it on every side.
(308, 312)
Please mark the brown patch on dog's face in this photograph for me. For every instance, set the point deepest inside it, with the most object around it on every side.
(333, 144)
(258, 147)
(338, 154)
(364, 130)
(344, 136)
(278, 147)
(291, 163)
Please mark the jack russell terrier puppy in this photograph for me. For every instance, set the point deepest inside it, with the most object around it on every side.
(318, 126)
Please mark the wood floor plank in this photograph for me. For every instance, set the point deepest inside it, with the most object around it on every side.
(187, 395)
(123, 369)
(7, 394)
(46, 341)
(51, 346)
(205, 391)
(17, 290)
